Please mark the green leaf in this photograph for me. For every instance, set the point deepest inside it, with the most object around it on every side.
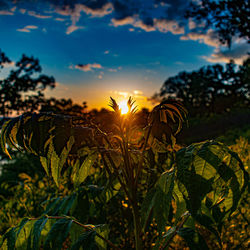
(3, 138)
(52, 137)
(211, 179)
(44, 163)
(67, 204)
(158, 200)
(36, 232)
(58, 234)
(82, 172)
(102, 230)
(85, 242)
(11, 236)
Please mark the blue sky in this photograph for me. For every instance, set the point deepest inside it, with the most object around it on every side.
(101, 48)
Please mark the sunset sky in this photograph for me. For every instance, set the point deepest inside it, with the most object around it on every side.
(97, 49)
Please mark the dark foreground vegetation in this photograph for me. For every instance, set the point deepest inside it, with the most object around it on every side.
(102, 180)
(126, 187)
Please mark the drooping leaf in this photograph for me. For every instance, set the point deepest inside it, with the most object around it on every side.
(211, 179)
(81, 172)
(86, 241)
(102, 230)
(157, 201)
(58, 234)
(166, 121)
(51, 137)
(36, 232)
(11, 236)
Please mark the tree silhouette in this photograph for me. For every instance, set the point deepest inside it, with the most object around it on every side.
(230, 18)
(23, 89)
(212, 88)
(63, 106)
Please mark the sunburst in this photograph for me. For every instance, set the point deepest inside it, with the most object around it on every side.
(123, 106)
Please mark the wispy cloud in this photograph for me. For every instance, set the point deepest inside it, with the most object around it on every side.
(238, 53)
(8, 64)
(210, 37)
(112, 70)
(34, 14)
(162, 25)
(106, 9)
(59, 19)
(86, 67)
(27, 28)
(73, 28)
(75, 13)
(115, 69)
(8, 11)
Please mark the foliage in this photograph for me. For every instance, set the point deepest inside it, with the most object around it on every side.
(163, 191)
(230, 18)
(63, 106)
(23, 89)
(211, 89)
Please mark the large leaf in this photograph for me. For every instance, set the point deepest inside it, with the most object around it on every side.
(58, 234)
(86, 241)
(165, 122)
(36, 233)
(10, 238)
(211, 179)
(81, 171)
(52, 137)
(157, 201)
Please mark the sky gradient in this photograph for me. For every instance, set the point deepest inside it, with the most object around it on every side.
(97, 49)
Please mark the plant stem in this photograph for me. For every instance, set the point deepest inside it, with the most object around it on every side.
(142, 156)
(137, 227)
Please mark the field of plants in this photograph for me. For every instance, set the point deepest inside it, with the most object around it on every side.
(172, 176)
(73, 184)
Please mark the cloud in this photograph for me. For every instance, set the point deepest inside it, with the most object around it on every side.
(75, 13)
(210, 37)
(125, 21)
(161, 25)
(60, 19)
(8, 64)
(135, 94)
(27, 28)
(112, 70)
(87, 67)
(73, 28)
(23, 11)
(6, 12)
(106, 9)
(34, 14)
(172, 26)
(238, 53)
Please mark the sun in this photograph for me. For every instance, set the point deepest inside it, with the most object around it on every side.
(123, 107)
